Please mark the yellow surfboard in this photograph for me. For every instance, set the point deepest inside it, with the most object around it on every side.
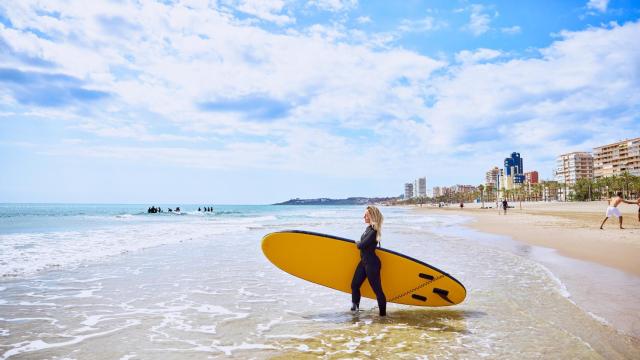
(331, 261)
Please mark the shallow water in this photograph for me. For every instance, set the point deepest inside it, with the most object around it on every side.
(215, 295)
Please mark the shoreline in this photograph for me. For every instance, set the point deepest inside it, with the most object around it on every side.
(600, 268)
(572, 229)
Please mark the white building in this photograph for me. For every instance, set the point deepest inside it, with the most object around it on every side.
(573, 166)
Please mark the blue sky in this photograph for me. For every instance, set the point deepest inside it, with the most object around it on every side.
(252, 102)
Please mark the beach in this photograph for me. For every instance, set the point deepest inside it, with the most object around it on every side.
(112, 282)
(608, 257)
(572, 228)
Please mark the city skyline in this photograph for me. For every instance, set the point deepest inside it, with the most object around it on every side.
(240, 102)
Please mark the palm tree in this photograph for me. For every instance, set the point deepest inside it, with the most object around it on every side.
(481, 190)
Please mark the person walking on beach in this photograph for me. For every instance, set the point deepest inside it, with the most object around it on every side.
(612, 209)
(505, 206)
(369, 265)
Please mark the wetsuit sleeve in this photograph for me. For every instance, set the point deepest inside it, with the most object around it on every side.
(369, 240)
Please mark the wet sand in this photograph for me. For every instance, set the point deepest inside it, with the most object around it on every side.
(600, 268)
(570, 228)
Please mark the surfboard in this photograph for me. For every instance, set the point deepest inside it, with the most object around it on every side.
(331, 261)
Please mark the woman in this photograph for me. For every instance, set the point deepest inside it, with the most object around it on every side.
(369, 265)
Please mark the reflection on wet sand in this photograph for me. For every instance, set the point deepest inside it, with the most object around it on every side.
(412, 332)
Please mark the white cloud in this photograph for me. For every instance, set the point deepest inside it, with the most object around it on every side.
(599, 5)
(469, 57)
(479, 21)
(363, 20)
(269, 10)
(334, 5)
(349, 97)
(422, 25)
(513, 30)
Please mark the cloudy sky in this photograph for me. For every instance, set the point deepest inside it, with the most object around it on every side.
(258, 101)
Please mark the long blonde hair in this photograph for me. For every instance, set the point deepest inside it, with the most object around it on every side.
(376, 220)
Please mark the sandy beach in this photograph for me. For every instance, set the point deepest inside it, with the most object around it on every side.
(199, 285)
(599, 268)
(571, 228)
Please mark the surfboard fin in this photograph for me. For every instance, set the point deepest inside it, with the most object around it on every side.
(444, 294)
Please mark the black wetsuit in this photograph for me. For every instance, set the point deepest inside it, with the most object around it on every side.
(368, 268)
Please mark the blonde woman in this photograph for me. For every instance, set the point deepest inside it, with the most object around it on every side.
(369, 265)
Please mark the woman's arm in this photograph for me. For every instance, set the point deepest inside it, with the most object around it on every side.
(369, 240)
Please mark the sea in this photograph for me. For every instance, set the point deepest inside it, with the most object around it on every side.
(96, 281)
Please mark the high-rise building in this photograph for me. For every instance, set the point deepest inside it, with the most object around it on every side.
(513, 168)
(511, 176)
(573, 166)
(531, 177)
(437, 191)
(421, 188)
(616, 158)
(408, 190)
(491, 177)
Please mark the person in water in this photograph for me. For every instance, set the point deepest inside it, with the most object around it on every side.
(369, 265)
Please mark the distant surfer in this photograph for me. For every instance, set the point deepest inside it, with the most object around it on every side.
(612, 209)
(369, 265)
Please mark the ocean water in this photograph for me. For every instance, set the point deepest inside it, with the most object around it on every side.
(113, 282)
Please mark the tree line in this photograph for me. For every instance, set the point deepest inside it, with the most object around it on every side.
(583, 190)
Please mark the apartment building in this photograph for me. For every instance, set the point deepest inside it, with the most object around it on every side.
(616, 158)
(491, 177)
(531, 177)
(408, 190)
(573, 166)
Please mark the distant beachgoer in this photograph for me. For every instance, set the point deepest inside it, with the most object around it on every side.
(461, 205)
(505, 206)
(369, 265)
(170, 210)
(177, 209)
(199, 209)
(612, 209)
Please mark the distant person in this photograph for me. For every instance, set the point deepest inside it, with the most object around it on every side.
(177, 209)
(369, 265)
(170, 210)
(159, 209)
(461, 205)
(199, 209)
(505, 206)
(612, 209)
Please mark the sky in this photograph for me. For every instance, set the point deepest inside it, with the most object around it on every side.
(261, 101)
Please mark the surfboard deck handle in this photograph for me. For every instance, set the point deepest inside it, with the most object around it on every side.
(444, 294)
(425, 276)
